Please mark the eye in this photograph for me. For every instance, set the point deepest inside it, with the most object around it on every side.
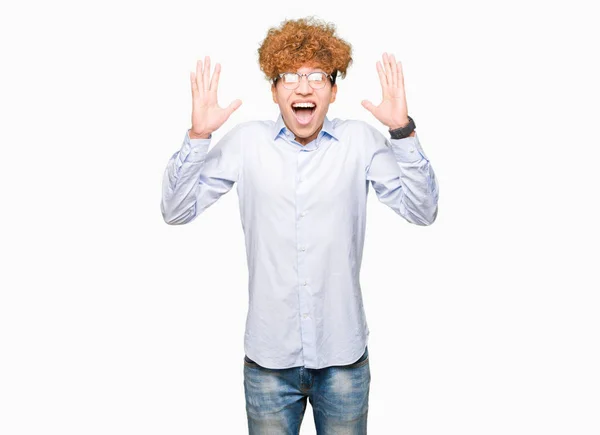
(316, 77)
(290, 78)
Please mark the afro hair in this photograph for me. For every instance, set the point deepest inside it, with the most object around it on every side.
(304, 42)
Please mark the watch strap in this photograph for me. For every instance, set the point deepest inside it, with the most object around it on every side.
(405, 131)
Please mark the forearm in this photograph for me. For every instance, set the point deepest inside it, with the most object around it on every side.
(419, 198)
(180, 181)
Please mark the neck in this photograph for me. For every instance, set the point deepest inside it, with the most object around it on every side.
(303, 141)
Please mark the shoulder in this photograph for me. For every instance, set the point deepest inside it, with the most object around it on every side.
(359, 129)
(355, 125)
(255, 127)
(346, 124)
(242, 129)
(257, 124)
(245, 126)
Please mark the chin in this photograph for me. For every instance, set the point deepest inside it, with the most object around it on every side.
(305, 132)
(314, 123)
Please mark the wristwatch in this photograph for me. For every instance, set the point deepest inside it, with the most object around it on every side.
(402, 132)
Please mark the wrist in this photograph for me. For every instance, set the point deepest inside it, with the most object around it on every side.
(396, 126)
(407, 130)
(198, 136)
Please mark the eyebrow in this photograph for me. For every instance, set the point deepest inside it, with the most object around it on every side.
(297, 72)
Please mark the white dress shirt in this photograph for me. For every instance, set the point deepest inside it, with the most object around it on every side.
(303, 212)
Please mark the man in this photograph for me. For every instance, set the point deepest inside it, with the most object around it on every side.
(302, 183)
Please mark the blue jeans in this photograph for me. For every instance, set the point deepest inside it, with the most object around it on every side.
(276, 398)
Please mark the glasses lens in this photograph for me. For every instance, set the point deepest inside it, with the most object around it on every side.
(317, 79)
(290, 80)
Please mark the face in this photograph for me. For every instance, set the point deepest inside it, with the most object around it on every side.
(304, 124)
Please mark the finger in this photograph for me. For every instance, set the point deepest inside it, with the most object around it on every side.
(382, 76)
(199, 81)
(400, 75)
(193, 83)
(233, 106)
(206, 78)
(368, 105)
(214, 83)
(388, 69)
(401, 81)
(394, 71)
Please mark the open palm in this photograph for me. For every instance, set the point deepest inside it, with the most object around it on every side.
(392, 110)
(207, 115)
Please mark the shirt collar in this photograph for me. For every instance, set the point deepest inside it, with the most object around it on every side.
(280, 125)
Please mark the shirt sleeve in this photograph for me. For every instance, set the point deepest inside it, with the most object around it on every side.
(403, 177)
(195, 178)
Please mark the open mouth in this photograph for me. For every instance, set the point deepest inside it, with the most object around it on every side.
(304, 114)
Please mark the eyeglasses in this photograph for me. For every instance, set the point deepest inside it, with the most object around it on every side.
(291, 81)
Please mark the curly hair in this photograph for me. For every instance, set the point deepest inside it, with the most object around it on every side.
(305, 41)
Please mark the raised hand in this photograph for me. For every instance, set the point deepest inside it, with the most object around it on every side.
(207, 115)
(392, 110)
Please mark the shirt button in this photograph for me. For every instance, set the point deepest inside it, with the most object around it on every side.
(303, 214)
(300, 180)
(412, 150)
(305, 283)
(303, 248)
(305, 315)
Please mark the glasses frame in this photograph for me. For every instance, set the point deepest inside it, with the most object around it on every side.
(280, 75)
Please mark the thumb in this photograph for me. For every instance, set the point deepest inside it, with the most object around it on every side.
(368, 105)
(233, 106)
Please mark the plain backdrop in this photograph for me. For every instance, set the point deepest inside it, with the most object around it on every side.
(112, 322)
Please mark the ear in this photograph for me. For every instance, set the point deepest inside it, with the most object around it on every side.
(333, 93)
(274, 92)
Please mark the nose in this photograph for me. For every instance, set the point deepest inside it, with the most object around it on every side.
(303, 86)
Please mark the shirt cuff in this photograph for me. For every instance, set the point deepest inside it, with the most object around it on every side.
(408, 150)
(195, 149)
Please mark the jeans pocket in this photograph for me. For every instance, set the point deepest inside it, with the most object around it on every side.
(249, 363)
(364, 359)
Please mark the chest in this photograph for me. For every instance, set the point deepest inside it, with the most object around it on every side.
(332, 173)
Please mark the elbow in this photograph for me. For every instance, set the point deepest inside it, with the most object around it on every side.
(428, 219)
(431, 217)
(428, 207)
(176, 216)
(425, 212)
(170, 220)
(423, 219)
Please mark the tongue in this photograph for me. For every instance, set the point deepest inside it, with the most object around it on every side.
(304, 114)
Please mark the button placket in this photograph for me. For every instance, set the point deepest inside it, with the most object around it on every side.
(303, 240)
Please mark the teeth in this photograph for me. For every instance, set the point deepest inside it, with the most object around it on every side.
(303, 105)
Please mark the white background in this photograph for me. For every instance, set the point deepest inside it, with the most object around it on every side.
(112, 322)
